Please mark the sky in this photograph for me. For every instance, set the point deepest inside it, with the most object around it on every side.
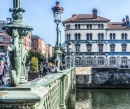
(39, 13)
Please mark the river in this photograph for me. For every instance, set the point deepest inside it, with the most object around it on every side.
(102, 99)
(99, 99)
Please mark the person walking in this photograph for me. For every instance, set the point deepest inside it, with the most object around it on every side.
(41, 69)
(1, 71)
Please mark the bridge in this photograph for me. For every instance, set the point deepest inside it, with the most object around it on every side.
(48, 92)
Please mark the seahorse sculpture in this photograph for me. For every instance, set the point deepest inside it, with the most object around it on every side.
(16, 62)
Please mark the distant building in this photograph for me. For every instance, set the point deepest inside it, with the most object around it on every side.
(27, 41)
(5, 39)
(43, 48)
(36, 43)
(49, 52)
(98, 42)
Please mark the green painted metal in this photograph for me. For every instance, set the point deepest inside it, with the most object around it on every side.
(18, 29)
(48, 92)
(59, 84)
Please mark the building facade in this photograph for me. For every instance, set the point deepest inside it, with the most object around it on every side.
(27, 41)
(43, 48)
(36, 43)
(5, 40)
(96, 41)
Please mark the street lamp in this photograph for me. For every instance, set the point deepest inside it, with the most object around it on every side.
(57, 11)
(70, 47)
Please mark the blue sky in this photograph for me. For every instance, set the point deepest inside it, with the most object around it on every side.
(39, 14)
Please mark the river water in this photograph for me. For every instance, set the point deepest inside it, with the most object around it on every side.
(102, 99)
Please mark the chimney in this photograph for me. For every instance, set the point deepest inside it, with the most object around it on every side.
(127, 19)
(123, 20)
(94, 13)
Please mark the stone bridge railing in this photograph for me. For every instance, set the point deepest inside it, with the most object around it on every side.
(48, 92)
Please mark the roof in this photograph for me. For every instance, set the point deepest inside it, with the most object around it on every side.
(84, 18)
(117, 25)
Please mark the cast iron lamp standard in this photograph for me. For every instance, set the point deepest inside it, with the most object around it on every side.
(57, 11)
(70, 47)
(18, 29)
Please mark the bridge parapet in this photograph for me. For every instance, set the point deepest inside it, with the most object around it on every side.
(48, 92)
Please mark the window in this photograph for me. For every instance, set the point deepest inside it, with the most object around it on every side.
(35, 48)
(100, 60)
(112, 60)
(89, 26)
(112, 47)
(100, 36)
(112, 36)
(68, 37)
(67, 27)
(77, 48)
(89, 36)
(124, 36)
(100, 47)
(100, 26)
(124, 47)
(124, 60)
(77, 26)
(78, 60)
(89, 60)
(77, 36)
(89, 47)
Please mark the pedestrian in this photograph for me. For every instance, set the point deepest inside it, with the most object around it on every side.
(47, 69)
(1, 70)
(41, 69)
(53, 69)
(61, 66)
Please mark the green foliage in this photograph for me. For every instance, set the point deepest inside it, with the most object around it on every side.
(34, 64)
(36, 54)
(52, 59)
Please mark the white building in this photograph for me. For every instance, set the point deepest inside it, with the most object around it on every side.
(98, 42)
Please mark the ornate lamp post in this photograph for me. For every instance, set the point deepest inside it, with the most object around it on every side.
(70, 47)
(18, 29)
(57, 11)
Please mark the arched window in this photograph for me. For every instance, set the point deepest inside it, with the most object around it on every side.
(124, 47)
(102, 26)
(101, 60)
(124, 36)
(100, 36)
(87, 26)
(68, 37)
(89, 60)
(78, 60)
(77, 36)
(76, 27)
(112, 60)
(90, 26)
(89, 36)
(124, 60)
(89, 47)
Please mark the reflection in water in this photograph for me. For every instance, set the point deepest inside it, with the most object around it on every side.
(103, 99)
(71, 100)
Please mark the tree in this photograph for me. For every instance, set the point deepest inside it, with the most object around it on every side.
(34, 64)
(36, 54)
